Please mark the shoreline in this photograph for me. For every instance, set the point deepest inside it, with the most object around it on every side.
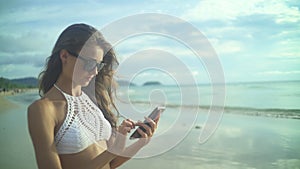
(271, 113)
(6, 104)
(245, 111)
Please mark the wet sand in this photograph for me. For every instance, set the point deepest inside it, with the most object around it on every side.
(15, 144)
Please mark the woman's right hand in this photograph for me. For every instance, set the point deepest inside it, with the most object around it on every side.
(117, 144)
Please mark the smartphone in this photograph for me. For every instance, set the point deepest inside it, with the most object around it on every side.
(154, 114)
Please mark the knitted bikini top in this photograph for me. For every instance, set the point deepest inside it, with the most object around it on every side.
(84, 125)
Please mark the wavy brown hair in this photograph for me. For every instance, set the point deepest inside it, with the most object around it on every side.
(102, 88)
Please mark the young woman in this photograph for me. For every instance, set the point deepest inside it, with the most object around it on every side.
(72, 126)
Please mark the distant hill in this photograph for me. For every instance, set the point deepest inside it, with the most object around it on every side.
(152, 83)
(29, 82)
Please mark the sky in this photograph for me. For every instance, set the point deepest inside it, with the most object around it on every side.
(253, 40)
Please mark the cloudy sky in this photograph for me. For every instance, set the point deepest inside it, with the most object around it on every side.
(254, 40)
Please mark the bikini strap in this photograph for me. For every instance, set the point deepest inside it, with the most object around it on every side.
(58, 88)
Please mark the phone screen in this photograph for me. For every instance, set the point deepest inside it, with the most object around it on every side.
(154, 114)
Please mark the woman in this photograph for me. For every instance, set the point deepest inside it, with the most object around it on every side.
(72, 126)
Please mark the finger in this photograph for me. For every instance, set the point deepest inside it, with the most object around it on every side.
(127, 129)
(157, 119)
(146, 127)
(151, 123)
(128, 123)
(142, 133)
(124, 129)
(131, 122)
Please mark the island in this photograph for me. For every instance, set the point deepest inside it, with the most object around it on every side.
(152, 83)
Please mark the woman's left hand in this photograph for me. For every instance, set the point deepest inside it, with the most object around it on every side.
(144, 139)
(131, 150)
(149, 129)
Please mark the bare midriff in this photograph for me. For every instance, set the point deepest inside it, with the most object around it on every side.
(81, 159)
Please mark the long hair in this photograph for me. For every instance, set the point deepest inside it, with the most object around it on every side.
(103, 86)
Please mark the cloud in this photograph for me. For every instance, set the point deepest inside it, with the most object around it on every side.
(18, 58)
(154, 64)
(296, 72)
(249, 36)
(166, 26)
(55, 11)
(26, 47)
(233, 9)
(226, 47)
(12, 71)
(25, 41)
(256, 26)
(144, 42)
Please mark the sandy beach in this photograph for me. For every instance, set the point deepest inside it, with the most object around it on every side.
(5, 103)
(8, 104)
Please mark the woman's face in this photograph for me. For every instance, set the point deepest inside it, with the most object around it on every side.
(86, 65)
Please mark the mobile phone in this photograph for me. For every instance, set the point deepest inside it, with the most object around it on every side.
(154, 114)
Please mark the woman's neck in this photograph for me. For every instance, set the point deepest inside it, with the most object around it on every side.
(68, 86)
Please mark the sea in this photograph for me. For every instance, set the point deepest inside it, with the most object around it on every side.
(240, 125)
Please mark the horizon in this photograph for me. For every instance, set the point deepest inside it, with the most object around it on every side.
(162, 84)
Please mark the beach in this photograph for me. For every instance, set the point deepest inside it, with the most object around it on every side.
(6, 104)
(241, 140)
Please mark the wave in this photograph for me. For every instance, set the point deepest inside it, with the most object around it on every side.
(268, 112)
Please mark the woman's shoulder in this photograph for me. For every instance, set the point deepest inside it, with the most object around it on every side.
(41, 104)
(48, 105)
(41, 109)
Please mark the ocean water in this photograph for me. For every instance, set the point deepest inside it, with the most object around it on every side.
(277, 99)
(261, 95)
(240, 141)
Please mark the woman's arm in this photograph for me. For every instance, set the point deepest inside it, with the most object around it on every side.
(128, 153)
(41, 124)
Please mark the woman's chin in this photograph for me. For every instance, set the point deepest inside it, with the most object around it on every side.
(85, 84)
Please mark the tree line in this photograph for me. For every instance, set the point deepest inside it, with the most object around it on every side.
(6, 84)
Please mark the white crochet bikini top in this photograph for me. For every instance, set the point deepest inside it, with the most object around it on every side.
(84, 125)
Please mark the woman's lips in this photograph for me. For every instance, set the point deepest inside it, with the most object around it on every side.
(89, 78)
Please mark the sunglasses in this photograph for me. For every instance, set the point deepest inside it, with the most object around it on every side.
(89, 64)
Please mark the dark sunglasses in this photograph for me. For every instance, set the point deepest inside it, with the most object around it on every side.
(89, 64)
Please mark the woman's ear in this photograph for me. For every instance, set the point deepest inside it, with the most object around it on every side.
(63, 54)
